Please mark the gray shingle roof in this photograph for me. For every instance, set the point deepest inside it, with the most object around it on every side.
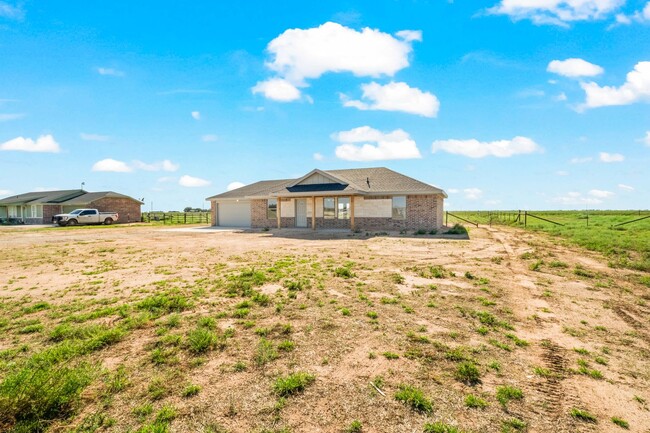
(378, 180)
(261, 188)
(63, 197)
(40, 197)
(92, 196)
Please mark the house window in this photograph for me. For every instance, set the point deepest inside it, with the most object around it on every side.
(399, 207)
(14, 212)
(272, 208)
(36, 211)
(329, 207)
(344, 208)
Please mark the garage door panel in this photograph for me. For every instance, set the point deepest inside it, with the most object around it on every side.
(235, 214)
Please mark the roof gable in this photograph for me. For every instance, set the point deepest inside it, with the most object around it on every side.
(316, 177)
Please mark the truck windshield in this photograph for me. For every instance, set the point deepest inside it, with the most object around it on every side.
(76, 212)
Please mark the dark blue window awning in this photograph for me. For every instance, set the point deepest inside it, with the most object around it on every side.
(317, 187)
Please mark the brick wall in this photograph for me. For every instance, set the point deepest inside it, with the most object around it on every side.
(129, 210)
(290, 222)
(331, 223)
(422, 212)
(49, 211)
(258, 215)
(213, 212)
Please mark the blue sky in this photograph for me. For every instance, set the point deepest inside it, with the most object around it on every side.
(505, 104)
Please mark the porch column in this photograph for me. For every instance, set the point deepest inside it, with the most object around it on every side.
(278, 211)
(352, 213)
(313, 212)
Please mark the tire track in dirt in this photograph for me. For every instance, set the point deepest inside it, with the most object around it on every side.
(624, 312)
(555, 397)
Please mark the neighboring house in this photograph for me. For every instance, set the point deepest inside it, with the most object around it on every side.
(363, 199)
(40, 207)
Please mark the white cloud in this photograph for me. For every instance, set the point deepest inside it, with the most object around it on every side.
(409, 35)
(561, 97)
(640, 16)
(395, 97)
(562, 173)
(635, 89)
(192, 182)
(209, 138)
(298, 55)
(4, 192)
(599, 193)
(111, 72)
(277, 89)
(164, 165)
(196, 115)
(11, 12)
(625, 187)
(556, 12)
(479, 149)
(581, 160)
(94, 137)
(234, 185)
(44, 143)
(318, 156)
(112, 165)
(453, 190)
(472, 193)
(646, 139)
(386, 146)
(5, 117)
(611, 157)
(574, 68)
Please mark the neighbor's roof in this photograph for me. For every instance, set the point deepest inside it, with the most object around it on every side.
(365, 181)
(92, 196)
(63, 197)
(42, 197)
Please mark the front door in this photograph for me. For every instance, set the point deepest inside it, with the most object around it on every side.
(301, 212)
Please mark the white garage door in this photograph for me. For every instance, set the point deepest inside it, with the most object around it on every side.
(234, 214)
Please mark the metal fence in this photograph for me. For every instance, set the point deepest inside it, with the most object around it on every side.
(177, 217)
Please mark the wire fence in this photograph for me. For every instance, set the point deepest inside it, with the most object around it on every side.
(547, 219)
(177, 217)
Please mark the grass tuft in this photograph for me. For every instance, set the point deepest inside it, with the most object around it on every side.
(293, 384)
(414, 398)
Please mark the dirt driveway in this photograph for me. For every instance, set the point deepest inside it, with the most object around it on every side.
(550, 320)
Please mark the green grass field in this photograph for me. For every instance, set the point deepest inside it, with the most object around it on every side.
(626, 246)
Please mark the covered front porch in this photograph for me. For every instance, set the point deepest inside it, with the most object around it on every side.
(314, 212)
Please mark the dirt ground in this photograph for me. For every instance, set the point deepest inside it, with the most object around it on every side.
(529, 311)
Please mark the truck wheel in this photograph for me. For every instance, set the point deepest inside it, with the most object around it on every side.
(62, 223)
(72, 222)
(108, 221)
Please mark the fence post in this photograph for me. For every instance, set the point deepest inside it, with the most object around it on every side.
(526, 218)
(447, 218)
(185, 217)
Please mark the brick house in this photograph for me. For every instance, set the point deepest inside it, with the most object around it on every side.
(355, 199)
(40, 207)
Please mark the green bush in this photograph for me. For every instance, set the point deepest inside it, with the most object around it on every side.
(457, 229)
